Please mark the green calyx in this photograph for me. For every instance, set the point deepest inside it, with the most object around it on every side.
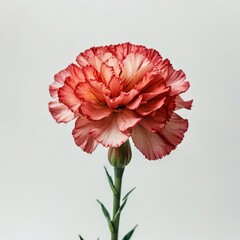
(121, 156)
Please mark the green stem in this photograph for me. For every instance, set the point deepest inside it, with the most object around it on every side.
(118, 173)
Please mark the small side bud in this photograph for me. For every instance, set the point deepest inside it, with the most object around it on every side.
(120, 157)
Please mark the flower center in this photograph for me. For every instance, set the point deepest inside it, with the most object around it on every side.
(121, 107)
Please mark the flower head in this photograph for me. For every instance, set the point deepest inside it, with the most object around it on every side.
(121, 91)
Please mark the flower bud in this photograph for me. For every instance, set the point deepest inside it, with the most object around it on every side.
(120, 157)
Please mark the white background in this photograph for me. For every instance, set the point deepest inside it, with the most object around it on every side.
(48, 186)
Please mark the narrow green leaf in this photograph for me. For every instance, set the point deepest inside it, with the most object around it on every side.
(126, 196)
(114, 190)
(80, 237)
(119, 210)
(106, 214)
(129, 235)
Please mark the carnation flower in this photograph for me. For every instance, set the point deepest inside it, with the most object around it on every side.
(121, 91)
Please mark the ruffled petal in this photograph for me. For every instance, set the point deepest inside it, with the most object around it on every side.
(180, 103)
(90, 73)
(175, 79)
(116, 64)
(107, 133)
(106, 73)
(76, 73)
(95, 111)
(92, 91)
(176, 82)
(152, 125)
(124, 49)
(60, 112)
(136, 103)
(155, 145)
(175, 129)
(150, 106)
(81, 135)
(83, 58)
(59, 80)
(135, 66)
(67, 94)
(115, 86)
(127, 119)
(152, 145)
(122, 100)
(72, 70)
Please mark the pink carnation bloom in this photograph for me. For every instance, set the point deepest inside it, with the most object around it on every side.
(121, 91)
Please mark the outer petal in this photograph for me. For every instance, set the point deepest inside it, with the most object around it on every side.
(127, 119)
(157, 145)
(180, 103)
(60, 112)
(122, 50)
(67, 94)
(152, 145)
(59, 80)
(174, 79)
(76, 73)
(107, 133)
(82, 137)
(83, 58)
(151, 124)
(175, 129)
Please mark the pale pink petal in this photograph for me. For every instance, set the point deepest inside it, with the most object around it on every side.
(175, 129)
(76, 73)
(82, 137)
(59, 80)
(176, 80)
(153, 56)
(60, 112)
(152, 145)
(133, 63)
(106, 73)
(67, 94)
(122, 50)
(107, 133)
(95, 111)
(180, 103)
(90, 72)
(116, 64)
(138, 76)
(83, 58)
(127, 119)
(96, 62)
